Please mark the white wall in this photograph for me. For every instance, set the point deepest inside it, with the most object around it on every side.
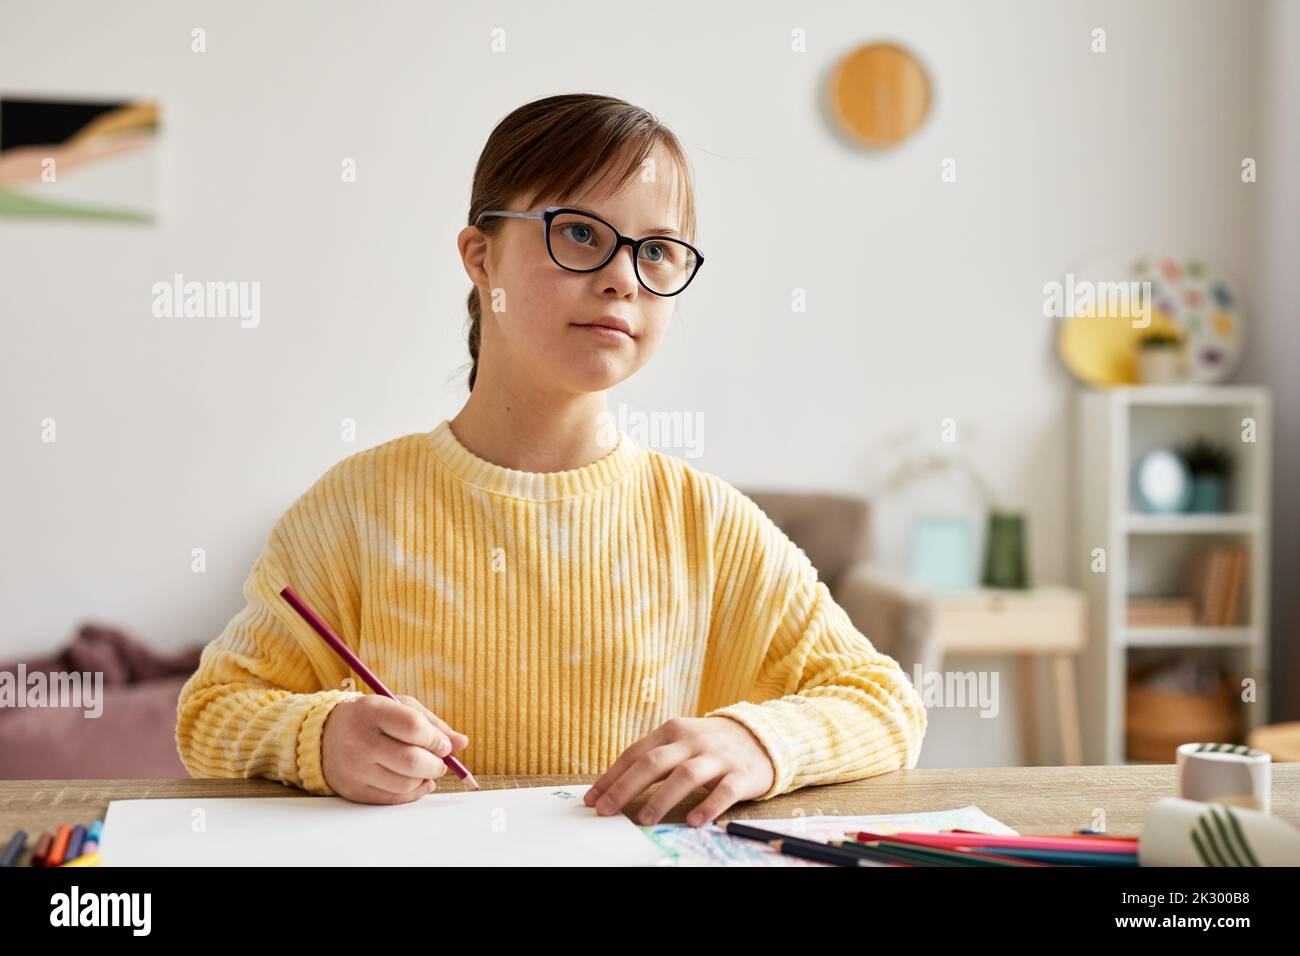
(1275, 359)
(924, 298)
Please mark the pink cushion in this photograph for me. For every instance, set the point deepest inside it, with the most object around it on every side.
(134, 736)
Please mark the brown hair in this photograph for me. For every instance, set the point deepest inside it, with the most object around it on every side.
(552, 147)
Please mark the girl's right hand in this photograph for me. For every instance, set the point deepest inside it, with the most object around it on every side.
(378, 750)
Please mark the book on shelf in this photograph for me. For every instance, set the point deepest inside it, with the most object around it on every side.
(1161, 612)
(1219, 580)
(1236, 586)
(1218, 584)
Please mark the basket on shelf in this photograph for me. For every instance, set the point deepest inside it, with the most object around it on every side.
(1159, 720)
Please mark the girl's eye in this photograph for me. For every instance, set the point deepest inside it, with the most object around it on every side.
(579, 233)
(657, 252)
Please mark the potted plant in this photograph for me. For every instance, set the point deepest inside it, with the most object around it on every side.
(1209, 464)
(1160, 358)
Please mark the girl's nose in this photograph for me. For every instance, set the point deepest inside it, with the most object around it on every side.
(620, 272)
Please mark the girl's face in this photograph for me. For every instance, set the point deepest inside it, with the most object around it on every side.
(537, 318)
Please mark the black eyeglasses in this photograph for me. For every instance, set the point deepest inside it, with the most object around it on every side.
(581, 241)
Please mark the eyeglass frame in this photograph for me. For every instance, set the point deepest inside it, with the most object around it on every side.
(550, 212)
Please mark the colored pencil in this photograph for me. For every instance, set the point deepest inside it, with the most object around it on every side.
(92, 837)
(991, 840)
(59, 848)
(42, 850)
(14, 849)
(1091, 834)
(87, 859)
(896, 854)
(796, 846)
(75, 842)
(342, 650)
(926, 856)
(1070, 857)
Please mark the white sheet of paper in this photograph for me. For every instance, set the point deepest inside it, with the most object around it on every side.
(531, 826)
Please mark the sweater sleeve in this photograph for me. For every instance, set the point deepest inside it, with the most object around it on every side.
(257, 704)
(825, 704)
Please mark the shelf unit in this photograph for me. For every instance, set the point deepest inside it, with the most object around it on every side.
(1146, 553)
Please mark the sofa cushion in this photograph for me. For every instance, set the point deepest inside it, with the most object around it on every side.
(134, 736)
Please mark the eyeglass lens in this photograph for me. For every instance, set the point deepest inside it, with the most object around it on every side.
(582, 243)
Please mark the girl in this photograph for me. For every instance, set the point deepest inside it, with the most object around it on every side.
(545, 599)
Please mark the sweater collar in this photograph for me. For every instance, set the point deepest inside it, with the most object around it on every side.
(531, 485)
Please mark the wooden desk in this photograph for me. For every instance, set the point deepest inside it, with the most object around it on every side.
(1030, 799)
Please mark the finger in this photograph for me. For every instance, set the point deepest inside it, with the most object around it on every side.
(458, 740)
(654, 765)
(407, 724)
(625, 760)
(408, 760)
(723, 796)
(688, 777)
(440, 746)
(368, 794)
(381, 778)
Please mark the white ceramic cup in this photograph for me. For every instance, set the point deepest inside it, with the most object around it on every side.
(1225, 773)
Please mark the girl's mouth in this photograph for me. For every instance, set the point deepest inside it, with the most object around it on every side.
(607, 333)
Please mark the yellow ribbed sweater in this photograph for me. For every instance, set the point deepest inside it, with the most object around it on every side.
(555, 618)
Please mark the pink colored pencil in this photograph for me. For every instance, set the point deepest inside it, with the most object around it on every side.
(354, 662)
(991, 841)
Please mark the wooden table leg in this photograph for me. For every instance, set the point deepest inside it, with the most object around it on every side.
(1067, 710)
(1029, 709)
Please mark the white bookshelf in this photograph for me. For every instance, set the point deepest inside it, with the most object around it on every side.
(1146, 554)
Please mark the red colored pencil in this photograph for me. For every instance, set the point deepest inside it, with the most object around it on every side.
(354, 662)
(990, 842)
(1080, 834)
(42, 850)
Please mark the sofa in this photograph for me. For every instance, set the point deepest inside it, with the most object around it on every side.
(834, 532)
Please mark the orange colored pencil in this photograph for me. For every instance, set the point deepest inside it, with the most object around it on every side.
(59, 846)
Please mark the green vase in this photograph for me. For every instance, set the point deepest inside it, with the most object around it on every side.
(1005, 561)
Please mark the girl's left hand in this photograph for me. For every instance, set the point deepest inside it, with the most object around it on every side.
(717, 753)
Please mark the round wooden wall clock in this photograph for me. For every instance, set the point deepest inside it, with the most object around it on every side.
(880, 94)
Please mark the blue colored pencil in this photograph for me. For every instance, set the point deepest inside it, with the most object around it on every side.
(93, 836)
(17, 843)
(75, 842)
